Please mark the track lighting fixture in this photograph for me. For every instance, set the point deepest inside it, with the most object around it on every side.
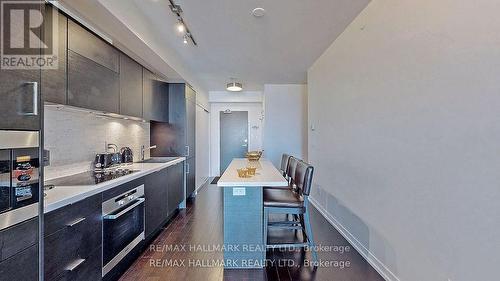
(181, 24)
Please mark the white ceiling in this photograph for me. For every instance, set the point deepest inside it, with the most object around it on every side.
(277, 48)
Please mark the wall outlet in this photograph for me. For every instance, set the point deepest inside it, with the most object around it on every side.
(239, 191)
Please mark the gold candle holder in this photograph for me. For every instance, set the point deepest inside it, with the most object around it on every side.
(243, 173)
(251, 171)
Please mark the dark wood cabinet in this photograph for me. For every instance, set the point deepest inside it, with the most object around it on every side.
(19, 86)
(90, 46)
(156, 193)
(190, 176)
(17, 238)
(130, 87)
(21, 267)
(178, 137)
(54, 81)
(89, 269)
(175, 186)
(91, 85)
(155, 97)
(73, 241)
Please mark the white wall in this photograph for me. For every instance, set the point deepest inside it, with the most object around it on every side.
(285, 121)
(74, 137)
(405, 105)
(254, 129)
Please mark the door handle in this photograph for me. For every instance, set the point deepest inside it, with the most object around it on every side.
(115, 216)
(75, 264)
(34, 93)
(244, 145)
(75, 222)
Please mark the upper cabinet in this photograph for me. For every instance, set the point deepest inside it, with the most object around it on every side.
(20, 88)
(130, 87)
(93, 71)
(91, 85)
(155, 97)
(54, 81)
(86, 44)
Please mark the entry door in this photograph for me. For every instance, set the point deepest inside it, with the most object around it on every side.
(233, 137)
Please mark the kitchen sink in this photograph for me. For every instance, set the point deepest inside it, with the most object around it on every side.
(158, 160)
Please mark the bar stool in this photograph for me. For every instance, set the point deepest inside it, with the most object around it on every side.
(295, 202)
(291, 165)
(285, 159)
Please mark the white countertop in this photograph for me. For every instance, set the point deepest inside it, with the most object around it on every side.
(265, 175)
(64, 195)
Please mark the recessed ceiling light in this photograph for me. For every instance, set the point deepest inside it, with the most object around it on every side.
(234, 87)
(258, 12)
(185, 41)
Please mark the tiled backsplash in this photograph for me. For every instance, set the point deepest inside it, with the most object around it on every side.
(74, 137)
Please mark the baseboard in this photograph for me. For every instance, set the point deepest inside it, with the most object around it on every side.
(379, 266)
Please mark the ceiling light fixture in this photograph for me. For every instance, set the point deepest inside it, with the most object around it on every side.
(180, 27)
(234, 87)
(181, 24)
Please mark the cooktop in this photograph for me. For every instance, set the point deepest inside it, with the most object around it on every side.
(90, 178)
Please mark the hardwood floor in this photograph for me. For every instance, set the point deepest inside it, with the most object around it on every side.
(187, 250)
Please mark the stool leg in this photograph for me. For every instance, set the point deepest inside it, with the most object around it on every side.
(309, 235)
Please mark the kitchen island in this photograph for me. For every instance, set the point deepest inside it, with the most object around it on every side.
(243, 212)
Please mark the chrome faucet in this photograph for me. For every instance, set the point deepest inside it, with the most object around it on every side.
(112, 146)
(143, 150)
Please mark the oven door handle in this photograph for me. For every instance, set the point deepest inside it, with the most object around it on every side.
(115, 216)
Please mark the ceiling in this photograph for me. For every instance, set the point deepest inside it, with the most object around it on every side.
(277, 48)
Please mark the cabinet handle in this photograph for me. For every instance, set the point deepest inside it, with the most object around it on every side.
(187, 151)
(34, 110)
(187, 168)
(75, 222)
(74, 265)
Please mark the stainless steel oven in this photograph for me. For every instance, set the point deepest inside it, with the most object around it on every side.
(19, 177)
(123, 226)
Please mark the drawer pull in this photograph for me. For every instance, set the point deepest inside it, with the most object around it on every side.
(74, 265)
(75, 222)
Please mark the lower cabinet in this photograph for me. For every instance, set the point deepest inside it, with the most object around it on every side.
(164, 192)
(190, 176)
(73, 245)
(175, 186)
(156, 191)
(19, 251)
(22, 266)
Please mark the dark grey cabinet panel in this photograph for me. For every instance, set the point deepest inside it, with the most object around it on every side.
(176, 144)
(130, 87)
(156, 193)
(54, 81)
(17, 238)
(20, 96)
(60, 218)
(175, 186)
(22, 266)
(155, 97)
(89, 269)
(191, 128)
(20, 88)
(75, 242)
(91, 85)
(190, 176)
(85, 43)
